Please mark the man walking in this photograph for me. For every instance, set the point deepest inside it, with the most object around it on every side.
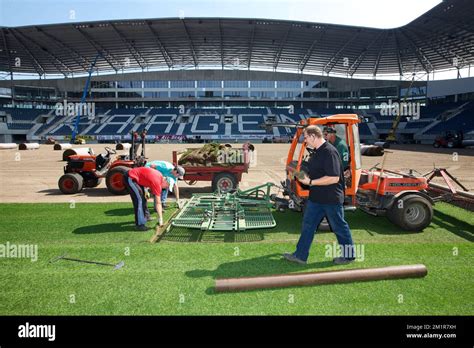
(326, 198)
(136, 180)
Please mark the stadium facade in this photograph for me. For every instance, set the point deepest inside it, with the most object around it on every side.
(219, 78)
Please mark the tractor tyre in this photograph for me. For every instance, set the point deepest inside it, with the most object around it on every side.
(70, 183)
(411, 212)
(92, 182)
(224, 182)
(324, 225)
(114, 180)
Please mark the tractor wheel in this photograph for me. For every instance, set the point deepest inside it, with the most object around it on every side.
(411, 212)
(224, 182)
(93, 182)
(114, 180)
(324, 225)
(70, 183)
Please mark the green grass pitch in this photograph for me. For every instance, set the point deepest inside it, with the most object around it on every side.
(176, 276)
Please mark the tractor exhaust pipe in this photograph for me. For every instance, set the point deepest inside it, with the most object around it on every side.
(331, 277)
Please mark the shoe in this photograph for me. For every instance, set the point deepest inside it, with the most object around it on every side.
(142, 228)
(150, 218)
(342, 261)
(293, 258)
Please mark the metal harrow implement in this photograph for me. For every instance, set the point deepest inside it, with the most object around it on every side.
(236, 211)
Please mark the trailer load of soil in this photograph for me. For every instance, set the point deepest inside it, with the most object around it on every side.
(214, 154)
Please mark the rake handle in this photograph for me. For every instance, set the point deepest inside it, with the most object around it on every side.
(85, 261)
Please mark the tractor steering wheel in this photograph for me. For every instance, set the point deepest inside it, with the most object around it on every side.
(110, 151)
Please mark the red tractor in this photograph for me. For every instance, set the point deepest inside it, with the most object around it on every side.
(402, 197)
(89, 170)
(450, 139)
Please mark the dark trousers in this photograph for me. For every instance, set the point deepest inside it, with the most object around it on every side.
(314, 213)
(138, 198)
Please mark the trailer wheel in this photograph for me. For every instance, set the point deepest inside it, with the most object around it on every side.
(70, 183)
(93, 182)
(114, 180)
(411, 212)
(224, 182)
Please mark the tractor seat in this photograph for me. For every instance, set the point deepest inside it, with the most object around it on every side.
(101, 161)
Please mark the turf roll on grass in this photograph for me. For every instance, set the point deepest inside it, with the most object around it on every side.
(317, 278)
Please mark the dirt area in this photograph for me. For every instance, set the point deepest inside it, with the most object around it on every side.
(32, 176)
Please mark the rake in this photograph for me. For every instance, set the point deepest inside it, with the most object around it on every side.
(63, 257)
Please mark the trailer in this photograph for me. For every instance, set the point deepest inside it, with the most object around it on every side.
(224, 177)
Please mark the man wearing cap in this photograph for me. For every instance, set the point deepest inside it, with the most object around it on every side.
(136, 180)
(339, 144)
(171, 173)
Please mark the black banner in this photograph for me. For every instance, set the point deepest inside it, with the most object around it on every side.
(46, 331)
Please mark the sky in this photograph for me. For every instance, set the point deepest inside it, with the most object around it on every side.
(367, 13)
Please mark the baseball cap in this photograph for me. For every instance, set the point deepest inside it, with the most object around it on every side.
(329, 130)
(180, 170)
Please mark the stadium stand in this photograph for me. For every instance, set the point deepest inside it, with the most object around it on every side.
(241, 121)
(464, 121)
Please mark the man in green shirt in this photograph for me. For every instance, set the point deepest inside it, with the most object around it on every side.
(339, 144)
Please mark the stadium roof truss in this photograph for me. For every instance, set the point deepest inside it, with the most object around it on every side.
(442, 38)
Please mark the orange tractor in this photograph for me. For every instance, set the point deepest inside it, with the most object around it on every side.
(400, 196)
(89, 170)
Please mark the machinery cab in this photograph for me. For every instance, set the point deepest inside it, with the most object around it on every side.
(347, 130)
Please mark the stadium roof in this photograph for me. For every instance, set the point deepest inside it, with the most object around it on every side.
(441, 38)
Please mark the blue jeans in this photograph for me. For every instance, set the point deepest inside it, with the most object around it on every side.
(138, 199)
(164, 195)
(313, 215)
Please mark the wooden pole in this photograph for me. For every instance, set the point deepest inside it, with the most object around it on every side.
(165, 228)
(331, 277)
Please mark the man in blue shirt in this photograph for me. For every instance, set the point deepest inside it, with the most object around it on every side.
(171, 173)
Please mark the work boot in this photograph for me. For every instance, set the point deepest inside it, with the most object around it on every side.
(342, 261)
(293, 258)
